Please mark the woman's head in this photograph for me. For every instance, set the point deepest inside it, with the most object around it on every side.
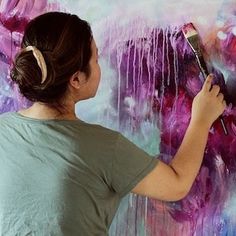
(67, 46)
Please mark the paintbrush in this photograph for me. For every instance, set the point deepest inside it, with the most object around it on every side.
(191, 35)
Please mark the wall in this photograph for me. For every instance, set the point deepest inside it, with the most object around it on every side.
(149, 79)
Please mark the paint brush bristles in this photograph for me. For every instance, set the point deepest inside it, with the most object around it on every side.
(191, 36)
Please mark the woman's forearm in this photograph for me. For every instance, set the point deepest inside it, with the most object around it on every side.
(188, 159)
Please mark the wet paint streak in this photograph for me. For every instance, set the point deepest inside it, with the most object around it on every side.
(176, 79)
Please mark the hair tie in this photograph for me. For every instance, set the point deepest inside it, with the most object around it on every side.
(40, 60)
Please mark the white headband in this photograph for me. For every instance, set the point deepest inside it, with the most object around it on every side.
(40, 60)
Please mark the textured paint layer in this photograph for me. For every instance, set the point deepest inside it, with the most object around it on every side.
(149, 79)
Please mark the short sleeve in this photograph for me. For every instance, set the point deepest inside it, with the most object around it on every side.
(130, 165)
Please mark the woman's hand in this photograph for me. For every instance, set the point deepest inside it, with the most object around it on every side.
(173, 182)
(208, 104)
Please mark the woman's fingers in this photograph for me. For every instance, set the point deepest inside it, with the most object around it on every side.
(220, 97)
(208, 83)
(215, 90)
(224, 104)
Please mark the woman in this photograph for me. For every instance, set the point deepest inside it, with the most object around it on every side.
(62, 176)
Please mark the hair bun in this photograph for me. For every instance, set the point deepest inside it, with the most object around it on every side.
(64, 44)
(40, 60)
(29, 76)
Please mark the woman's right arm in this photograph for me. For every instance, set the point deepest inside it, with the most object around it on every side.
(173, 182)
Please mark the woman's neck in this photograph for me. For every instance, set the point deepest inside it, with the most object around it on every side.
(43, 111)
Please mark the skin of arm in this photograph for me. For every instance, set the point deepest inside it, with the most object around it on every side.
(172, 182)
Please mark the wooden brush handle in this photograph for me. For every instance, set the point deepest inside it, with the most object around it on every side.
(202, 65)
(223, 125)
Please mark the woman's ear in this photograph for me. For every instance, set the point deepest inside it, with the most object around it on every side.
(77, 79)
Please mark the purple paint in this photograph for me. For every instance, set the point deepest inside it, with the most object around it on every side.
(157, 78)
(160, 74)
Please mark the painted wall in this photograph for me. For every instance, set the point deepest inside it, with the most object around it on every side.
(149, 79)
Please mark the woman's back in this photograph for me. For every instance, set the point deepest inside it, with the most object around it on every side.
(57, 176)
(49, 179)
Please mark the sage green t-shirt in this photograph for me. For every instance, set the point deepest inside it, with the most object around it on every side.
(61, 177)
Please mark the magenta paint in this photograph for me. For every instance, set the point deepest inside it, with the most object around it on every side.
(156, 80)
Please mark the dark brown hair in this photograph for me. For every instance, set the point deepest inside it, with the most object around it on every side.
(65, 43)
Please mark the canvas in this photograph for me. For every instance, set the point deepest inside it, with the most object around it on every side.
(149, 79)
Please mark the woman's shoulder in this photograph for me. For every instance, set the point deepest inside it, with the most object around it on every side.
(6, 116)
(98, 129)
